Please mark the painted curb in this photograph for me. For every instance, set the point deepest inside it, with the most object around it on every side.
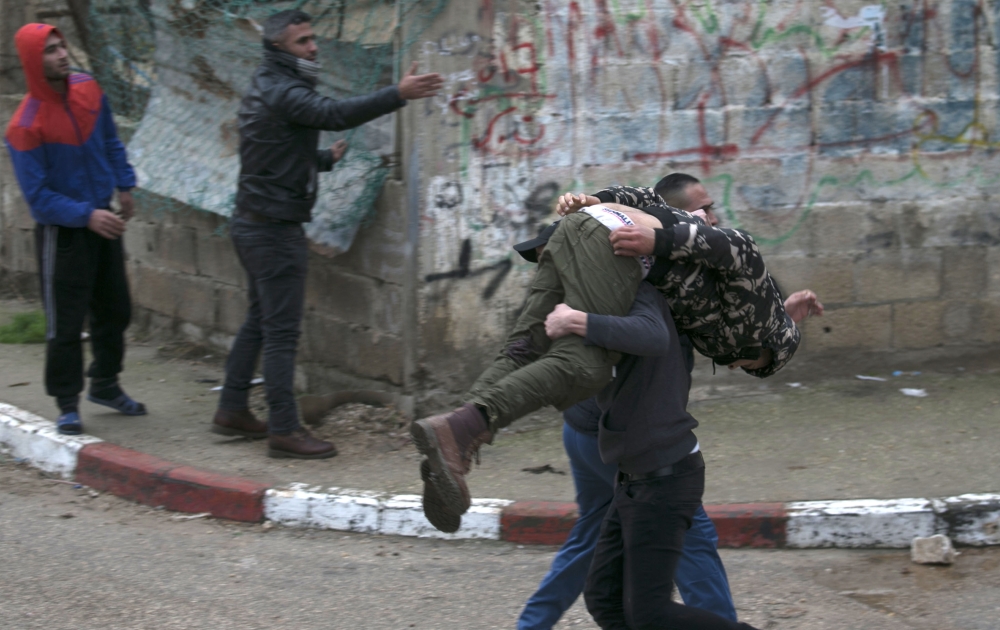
(968, 519)
(372, 513)
(157, 482)
(538, 522)
(36, 440)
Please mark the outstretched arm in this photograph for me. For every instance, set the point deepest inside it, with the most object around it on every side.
(642, 332)
(306, 107)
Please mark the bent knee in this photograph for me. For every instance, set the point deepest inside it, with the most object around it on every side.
(522, 352)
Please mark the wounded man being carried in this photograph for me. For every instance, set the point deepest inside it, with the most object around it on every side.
(714, 280)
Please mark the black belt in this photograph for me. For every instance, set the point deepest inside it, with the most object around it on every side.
(256, 217)
(694, 461)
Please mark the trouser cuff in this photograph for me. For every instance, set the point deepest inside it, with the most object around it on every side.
(68, 403)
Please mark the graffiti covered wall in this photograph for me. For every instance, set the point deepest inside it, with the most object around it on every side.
(856, 140)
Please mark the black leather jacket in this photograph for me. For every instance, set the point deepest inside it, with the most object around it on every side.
(280, 118)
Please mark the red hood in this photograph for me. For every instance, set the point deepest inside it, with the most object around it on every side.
(30, 42)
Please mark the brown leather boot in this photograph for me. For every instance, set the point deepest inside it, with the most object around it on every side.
(434, 508)
(238, 422)
(449, 441)
(299, 444)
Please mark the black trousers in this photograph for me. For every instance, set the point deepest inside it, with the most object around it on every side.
(642, 537)
(275, 257)
(82, 275)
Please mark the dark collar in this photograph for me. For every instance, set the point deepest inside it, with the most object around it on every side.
(285, 63)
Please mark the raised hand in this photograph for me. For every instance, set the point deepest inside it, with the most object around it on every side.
(338, 148)
(802, 304)
(414, 86)
(570, 203)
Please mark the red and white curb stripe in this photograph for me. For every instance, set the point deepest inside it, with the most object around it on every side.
(969, 519)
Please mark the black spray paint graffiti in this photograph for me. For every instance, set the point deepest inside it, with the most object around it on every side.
(540, 202)
(502, 268)
(539, 205)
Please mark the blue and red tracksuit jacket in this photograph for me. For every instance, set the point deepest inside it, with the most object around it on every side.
(65, 147)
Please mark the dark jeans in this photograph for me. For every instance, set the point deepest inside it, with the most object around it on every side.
(701, 578)
(82, 274)
(275, 256)
(642, 539)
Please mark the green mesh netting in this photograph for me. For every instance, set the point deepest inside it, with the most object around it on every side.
(175, 70)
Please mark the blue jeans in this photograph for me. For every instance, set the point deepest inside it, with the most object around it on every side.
(700, 576)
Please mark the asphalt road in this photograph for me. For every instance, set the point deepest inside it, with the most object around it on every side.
(69, 560)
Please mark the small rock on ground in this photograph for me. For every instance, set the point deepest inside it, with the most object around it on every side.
(935, 549)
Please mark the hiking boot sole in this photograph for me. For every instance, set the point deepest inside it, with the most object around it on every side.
(442, 480)
(237, 432)
(434, 508)
(278, 454)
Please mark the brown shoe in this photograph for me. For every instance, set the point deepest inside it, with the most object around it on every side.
(449, 441)
(434, 508)
(299, 444)
(238, 422)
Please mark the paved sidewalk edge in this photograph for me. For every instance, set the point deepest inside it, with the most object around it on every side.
(969, 519)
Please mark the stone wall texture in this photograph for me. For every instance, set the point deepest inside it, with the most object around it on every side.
(857, 141)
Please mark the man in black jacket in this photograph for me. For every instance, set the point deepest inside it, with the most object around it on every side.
(647, 432)
(280, 119)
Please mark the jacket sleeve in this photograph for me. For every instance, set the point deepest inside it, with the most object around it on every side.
(642, 332)
(648, 201)
(783, 342)
(117, 156)
(48, 207)
(722, 249)
(304, 106)
(631, 196)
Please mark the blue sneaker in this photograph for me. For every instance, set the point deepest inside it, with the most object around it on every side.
(69, 423)
(122, 404)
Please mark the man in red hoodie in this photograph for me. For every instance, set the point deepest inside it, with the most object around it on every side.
(69, 162)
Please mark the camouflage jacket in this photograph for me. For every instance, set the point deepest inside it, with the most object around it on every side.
(714, 279)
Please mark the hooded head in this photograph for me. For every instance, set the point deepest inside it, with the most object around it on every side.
(30, 41)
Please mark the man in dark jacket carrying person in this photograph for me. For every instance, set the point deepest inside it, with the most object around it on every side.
(280, 119)
(647, 432)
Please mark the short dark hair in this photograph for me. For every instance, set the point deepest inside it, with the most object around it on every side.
(671, 188)
(274, 26)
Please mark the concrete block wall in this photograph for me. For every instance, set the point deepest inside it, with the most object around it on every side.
(187, 281)
(17, 239)
(855, 140)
